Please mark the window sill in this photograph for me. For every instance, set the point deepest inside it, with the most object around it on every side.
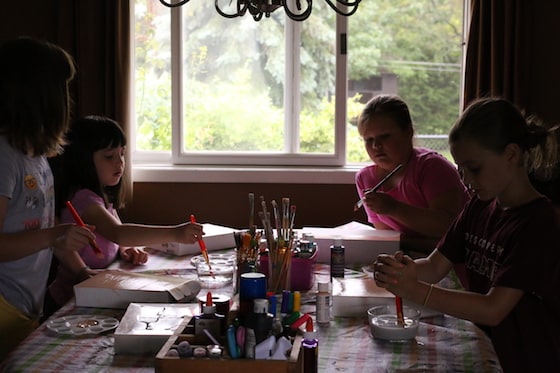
(239, 174)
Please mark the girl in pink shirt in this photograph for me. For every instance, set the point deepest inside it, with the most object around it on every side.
(422, 198)
(90, 176)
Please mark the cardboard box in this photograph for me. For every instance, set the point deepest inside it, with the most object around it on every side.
(145, 327)
(216, 237)
(352, 297)
(362, 242)
(117, 289)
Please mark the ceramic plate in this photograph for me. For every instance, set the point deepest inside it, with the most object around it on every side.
(82, 324)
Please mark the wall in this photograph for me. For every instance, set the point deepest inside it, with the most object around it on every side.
(227, 204)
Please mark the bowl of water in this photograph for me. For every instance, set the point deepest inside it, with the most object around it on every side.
(384, 324)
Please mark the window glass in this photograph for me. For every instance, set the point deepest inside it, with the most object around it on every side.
(412, 48)
(238, 99)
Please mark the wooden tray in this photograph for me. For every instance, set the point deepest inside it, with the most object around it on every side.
(167, 364)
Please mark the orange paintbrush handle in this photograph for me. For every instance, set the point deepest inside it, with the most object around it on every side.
(81, 223)
(400, 315)
(202, 246)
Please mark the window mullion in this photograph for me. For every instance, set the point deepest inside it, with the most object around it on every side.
(292, 97)
(341, 89)
(177, 145)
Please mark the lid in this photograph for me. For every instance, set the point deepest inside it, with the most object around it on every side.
(209, 306)
(309, 332)
(338, 241)
(323, 287)
(260, 305)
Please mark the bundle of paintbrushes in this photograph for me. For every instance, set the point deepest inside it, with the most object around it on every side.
(280, 245)
(247, 244)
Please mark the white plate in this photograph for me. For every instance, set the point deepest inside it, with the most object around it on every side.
(82, 324)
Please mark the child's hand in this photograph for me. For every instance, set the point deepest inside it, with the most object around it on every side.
(381, 203)
(190, 232)
(72, 237)
(396, 273)
(134, 255)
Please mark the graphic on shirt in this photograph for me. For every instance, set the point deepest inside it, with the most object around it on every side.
(32, 224)
(482, 256)
(31, 202)
(30, 182)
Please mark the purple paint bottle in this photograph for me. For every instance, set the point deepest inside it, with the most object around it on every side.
(310, 345)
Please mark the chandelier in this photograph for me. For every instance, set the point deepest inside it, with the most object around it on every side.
(258, 8)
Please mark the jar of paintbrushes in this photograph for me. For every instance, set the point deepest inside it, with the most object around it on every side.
(247, 251)
(280, 243)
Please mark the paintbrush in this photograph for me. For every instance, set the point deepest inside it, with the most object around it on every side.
(376, 188)
(80, 222)
(203, 249)
(400, 315)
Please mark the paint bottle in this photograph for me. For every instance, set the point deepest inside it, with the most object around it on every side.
(337, 258)
(310, 346)
(208, 319)
(260, 321)
(323, 303)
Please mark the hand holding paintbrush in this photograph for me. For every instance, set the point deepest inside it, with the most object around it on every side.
(376, 188)
(203, 249)
(80, 222)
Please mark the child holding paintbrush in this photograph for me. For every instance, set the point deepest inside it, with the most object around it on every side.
(507, 237)
(90, 177)
(34, 112)
(422, 198)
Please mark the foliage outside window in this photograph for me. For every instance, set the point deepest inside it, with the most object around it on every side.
(238, 101)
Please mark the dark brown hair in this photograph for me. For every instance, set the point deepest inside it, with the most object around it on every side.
(34, 95)
(495, 122)
(388, 105)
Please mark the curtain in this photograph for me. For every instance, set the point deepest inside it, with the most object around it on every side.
(499, 51)
(511, 53)
(97, 34)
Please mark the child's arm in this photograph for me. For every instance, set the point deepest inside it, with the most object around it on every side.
(413, 280)
(113, 229)
(74, 262)
(65, 237)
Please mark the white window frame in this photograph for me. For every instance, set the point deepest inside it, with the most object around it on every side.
(295, 168)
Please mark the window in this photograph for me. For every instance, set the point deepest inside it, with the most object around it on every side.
(211, 90)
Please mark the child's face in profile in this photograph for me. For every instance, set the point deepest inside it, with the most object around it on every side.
(484, 172)
(109, 163)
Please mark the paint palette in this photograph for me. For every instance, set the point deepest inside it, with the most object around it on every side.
(215, 259)
(384, 325)
(82, 324)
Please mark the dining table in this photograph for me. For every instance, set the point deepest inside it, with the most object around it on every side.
(443, 343)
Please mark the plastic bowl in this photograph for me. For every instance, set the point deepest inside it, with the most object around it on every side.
(384, 325)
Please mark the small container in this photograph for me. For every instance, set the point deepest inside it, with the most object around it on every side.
(323, 303)
(209, 319)
(337, 259)
(384, 325)
(301, 272)
(310, 349)
(216, 276)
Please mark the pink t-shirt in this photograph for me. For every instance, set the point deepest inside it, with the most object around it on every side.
(61, 288)
(427, 175)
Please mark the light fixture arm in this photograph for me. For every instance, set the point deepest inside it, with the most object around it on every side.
(258, 8)
(299, 16)
(352, 5)
(174, 5)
